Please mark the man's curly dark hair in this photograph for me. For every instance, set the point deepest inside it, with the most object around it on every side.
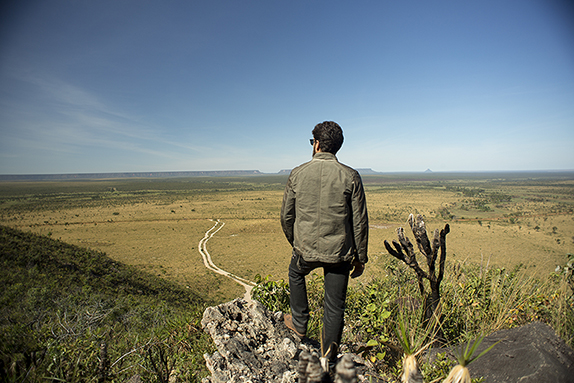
(330, 136)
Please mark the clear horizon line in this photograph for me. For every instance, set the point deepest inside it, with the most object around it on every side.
(258, 172)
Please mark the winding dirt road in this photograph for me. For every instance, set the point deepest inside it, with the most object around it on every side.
(202, 247)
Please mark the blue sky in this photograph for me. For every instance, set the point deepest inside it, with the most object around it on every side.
(135, 85)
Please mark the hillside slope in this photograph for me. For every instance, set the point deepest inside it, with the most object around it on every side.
(75, 314)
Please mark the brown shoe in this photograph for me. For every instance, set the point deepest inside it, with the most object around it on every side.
(288, 319)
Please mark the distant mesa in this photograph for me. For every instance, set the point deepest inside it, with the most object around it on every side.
(79, 176)
(367, 171)
(364, 171)
(209, 173)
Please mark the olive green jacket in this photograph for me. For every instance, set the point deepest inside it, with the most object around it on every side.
(324, 211)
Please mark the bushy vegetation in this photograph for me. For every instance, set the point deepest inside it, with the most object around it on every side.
(72, 314)
(475, 302)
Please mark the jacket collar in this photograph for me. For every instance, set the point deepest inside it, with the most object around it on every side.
(324, 156)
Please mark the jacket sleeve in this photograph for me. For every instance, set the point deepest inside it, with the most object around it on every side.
(288, 211)
(360, 220)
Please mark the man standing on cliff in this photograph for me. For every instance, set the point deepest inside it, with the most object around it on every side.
(324, 217)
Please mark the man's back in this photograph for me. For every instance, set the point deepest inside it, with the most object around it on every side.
(324, 212)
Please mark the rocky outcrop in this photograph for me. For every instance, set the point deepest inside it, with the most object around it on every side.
(251, 345)
(527, 354)
(254, 345)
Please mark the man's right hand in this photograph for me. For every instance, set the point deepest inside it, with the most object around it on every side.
(358, 269)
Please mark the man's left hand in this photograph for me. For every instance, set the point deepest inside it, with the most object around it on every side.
(358, 269)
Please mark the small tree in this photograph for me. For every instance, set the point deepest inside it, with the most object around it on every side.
(403, 249)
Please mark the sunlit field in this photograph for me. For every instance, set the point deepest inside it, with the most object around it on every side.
(156, 225)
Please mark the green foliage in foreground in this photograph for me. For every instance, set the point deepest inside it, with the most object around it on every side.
(71, 314)
(272, 294)
(474, 302)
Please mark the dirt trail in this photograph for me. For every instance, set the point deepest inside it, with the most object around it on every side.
(202, 247)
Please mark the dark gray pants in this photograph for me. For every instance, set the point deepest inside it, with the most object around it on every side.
(336, 281)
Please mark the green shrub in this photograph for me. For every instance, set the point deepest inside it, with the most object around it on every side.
(272, 294)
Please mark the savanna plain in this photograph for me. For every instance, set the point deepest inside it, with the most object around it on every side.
(156, 224)
(103, 278)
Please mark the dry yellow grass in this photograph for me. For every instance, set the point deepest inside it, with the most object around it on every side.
(160, 232)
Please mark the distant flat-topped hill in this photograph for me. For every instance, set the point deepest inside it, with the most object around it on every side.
(209, 173)
(363, 171)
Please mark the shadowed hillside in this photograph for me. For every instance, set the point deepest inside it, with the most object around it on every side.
(74, 314)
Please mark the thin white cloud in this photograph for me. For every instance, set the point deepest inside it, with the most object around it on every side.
(69, 119)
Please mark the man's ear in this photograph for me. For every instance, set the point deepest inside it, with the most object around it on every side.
(316, 146)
